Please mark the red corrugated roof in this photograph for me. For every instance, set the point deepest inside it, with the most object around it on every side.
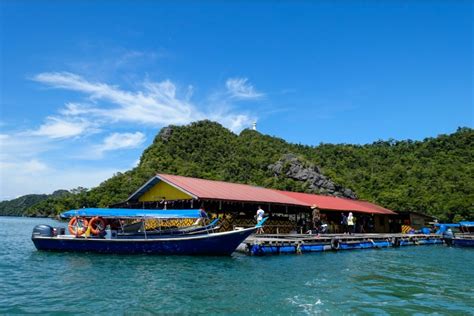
(338, 203)
(376, 209)
(219, 190)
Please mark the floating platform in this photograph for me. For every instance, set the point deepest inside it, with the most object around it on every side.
(272, 244)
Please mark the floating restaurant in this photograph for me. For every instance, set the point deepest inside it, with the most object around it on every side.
(236, 204)
(169, 215)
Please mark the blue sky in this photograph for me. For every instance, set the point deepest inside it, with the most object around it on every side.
(85, 86)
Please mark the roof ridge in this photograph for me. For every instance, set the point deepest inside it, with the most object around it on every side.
(221, 181)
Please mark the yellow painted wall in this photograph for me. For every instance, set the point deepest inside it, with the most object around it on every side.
(163, 189)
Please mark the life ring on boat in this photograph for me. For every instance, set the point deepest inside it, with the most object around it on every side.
(335, 244)
(97, 225)
(77, 226)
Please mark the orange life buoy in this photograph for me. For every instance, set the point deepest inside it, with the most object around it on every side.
(97, 225)
(77, 226)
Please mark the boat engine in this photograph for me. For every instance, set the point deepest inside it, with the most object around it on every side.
(43, 231)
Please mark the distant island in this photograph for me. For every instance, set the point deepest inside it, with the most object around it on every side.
(19, 206)
(434, 176)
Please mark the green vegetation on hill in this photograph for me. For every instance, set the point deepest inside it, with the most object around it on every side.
(19, 206)
(433, 176)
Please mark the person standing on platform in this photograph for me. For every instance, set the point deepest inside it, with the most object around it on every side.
(259, 217)
(316, 218)
(350, 223)
(344, 222)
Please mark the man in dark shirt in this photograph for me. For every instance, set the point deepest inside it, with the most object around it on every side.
(344, 223)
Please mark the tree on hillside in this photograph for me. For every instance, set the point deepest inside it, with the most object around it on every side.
(433, 176)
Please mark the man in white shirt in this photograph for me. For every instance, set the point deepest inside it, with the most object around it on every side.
(259, 217)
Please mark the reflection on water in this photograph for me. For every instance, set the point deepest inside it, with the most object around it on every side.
(424, 279)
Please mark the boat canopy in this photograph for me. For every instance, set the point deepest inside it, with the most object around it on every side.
(443, 227)
(134, 213)
(447, 224)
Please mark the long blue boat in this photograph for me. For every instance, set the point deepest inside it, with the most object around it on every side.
(137, 230)
(462, 238)
(466, 236)
(204, 243)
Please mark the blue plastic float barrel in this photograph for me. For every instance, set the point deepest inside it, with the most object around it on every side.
(312, 248)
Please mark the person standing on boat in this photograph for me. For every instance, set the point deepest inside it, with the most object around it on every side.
(350, 223)
(259, 217)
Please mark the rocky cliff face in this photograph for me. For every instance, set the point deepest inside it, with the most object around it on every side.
(292, 167)
(165, 133)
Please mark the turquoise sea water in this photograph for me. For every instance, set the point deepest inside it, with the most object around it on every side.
(409, 280)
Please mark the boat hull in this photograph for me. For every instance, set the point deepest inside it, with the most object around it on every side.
(223, 243)
(463, 242)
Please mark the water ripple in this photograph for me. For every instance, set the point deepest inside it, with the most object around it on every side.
(411, 280)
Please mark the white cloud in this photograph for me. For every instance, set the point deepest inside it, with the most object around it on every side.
(112, 142)
(122, 141)
(28, 167)
(116, 62)
(17, 146)
(135, 163)
(34, 166)
(34, 177)
(58, 127)
(234, 122)
(22, 172)
(73, 109)
(240, 88)
(158, 103)
(23, 154)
